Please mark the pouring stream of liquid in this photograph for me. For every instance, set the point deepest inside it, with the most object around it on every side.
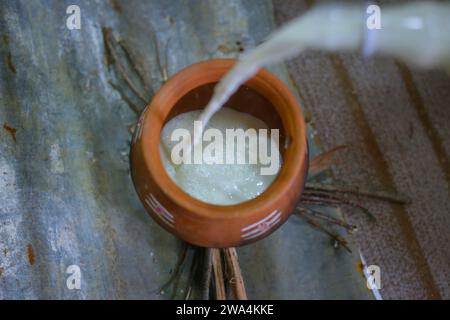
(416, 33)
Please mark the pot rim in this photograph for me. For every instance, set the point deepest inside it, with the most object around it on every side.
(154, 118)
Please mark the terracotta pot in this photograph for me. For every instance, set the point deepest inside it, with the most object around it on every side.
(204, 224)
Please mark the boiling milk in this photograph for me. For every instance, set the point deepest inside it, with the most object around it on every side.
(220, 184)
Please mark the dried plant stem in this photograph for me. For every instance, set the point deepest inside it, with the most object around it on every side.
(237, 282)
(218, 274)
(333, 200)
(188, 293)
(194, 264)
(178, 267)
(335, 237)
(127, 79)
(110, 42)
(125, 98)
(350, 228)
(361, 191)
(162, 67)
(131, 58)
(206, 273)
(176, 282)
(323, 161)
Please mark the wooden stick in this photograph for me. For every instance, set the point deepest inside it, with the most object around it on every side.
(236, 280)
(218, 274)
(206, 273)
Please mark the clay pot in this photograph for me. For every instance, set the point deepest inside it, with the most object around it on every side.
(204, 224)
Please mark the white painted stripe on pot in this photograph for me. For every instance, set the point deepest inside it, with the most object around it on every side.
(260, 221)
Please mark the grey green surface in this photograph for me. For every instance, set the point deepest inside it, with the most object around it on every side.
(65, 188)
